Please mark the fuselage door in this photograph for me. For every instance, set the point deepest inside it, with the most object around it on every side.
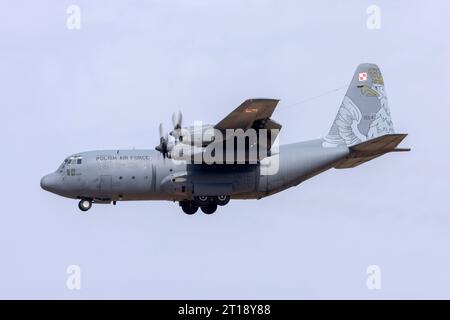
(105, 184)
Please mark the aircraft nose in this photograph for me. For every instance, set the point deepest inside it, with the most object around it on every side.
(49, 182)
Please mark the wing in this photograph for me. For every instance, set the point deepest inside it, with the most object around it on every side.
(252, 113)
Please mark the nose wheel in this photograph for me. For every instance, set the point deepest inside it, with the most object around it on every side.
(84, 204)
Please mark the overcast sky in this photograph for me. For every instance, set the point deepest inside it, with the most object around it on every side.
(109, 85)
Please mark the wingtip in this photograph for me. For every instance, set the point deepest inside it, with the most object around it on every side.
(402, 150)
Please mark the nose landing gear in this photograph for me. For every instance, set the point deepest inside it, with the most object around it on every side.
(85, 204)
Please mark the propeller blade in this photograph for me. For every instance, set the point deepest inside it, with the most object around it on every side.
(163, 140)
(177, 119)
(161, 130)
(180, 119)
(174, 120)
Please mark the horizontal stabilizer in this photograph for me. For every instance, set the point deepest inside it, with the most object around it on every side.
(371, 149)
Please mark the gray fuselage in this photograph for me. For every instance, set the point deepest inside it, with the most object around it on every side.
(112, 175)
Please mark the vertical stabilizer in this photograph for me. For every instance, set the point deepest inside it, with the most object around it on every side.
(364, 113)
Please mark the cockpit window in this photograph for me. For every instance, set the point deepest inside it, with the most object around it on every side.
(75, 160)
(70, 160)
(63, 165)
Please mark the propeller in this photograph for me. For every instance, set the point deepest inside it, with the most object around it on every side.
(177, 121)
(164, 145)
(163, 141)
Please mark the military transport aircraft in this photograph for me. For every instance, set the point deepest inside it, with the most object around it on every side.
(178, 170)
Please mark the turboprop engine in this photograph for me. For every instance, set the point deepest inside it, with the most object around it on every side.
(197, 135)
(185, 141)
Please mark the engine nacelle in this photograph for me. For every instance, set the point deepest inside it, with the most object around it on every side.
(182, 151)
(198, 136)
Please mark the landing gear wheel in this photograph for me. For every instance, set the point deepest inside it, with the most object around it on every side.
(84, 204)
(210, 208)
(222, 200)
(189, 207)
(202, 200)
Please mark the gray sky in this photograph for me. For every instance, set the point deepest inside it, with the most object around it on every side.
(109, 84)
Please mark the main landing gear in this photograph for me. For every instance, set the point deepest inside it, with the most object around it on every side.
(208, 204)
(85, 204)
(210, 208)
(189, 207)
